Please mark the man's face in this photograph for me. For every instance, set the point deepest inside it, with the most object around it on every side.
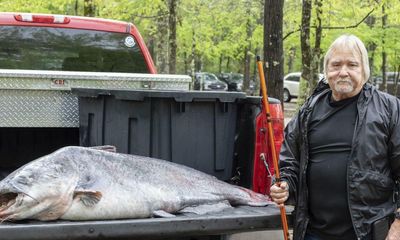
(345, 74)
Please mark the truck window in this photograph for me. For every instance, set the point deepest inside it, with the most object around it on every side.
(45, 48)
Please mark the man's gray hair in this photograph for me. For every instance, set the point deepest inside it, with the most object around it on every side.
(354, 44)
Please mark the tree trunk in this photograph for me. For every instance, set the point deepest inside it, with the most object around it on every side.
(273, 47)
(199, 63)
(150, 45)
(221, 58)
(384, 56)
(370, 21)
(161, 56)
(172, 36)
(186, 63)
(246, 75)
(76, 8)
(89, 9)
(371, 49)
(396, 81)
(291, 59)
(317, 49)
(247, 57)
(306, 57)
(193, 58)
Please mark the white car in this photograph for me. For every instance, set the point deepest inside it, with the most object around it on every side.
(291, 85)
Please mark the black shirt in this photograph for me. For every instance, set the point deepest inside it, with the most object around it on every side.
(330, 139)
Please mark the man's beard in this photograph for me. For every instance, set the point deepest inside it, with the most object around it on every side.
(344, 85)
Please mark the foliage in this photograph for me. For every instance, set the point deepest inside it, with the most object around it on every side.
(212, 33)
(346, 13)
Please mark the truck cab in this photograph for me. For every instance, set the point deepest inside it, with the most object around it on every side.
(56, 43)
(68, 43)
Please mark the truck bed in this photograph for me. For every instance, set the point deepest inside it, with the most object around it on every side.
(238, 219)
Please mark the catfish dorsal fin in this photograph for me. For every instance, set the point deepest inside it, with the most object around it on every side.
(107, 148)
(87, 197)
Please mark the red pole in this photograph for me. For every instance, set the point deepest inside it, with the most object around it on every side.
(272, 144)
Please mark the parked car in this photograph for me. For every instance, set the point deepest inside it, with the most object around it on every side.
(390, 79)
(291, 85)
(208, 82)
(235, 82)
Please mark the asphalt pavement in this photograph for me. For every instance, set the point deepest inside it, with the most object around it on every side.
(289, 110)
(260, 235)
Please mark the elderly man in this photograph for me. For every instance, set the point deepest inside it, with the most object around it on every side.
(340, 160)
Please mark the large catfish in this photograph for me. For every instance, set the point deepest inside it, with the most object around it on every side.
(78, 183)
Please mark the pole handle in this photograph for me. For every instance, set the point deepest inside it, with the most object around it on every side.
(272, 143)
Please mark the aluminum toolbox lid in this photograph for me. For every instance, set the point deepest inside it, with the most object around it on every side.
(37, 98)
(65, 80)
(178, 96)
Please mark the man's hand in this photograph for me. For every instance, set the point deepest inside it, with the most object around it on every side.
(394, 231)
(280, 192)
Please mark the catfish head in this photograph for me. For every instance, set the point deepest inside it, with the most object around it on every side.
(42, 189)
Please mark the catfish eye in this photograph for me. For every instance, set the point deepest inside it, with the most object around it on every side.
(22, 180)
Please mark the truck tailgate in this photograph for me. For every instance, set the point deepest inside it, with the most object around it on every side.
(238, 219)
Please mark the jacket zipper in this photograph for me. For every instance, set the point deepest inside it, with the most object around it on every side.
(357, 124)
(307, 114)
(304, 173)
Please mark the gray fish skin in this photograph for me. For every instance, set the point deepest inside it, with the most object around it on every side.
(77, 183)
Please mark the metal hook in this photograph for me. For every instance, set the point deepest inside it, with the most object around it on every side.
(262, 156)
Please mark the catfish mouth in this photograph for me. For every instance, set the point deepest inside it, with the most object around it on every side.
(6, 201)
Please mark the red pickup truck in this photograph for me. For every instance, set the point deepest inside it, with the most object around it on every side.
(52, 51)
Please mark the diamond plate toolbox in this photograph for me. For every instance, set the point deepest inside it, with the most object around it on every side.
(34, 98)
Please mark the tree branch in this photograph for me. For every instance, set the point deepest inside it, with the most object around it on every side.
(335, 27)
(290, 33)
(392, 26)
(353, 26)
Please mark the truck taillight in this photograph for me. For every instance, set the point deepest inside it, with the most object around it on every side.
(263, 165)
(42, 18)
(277, 125)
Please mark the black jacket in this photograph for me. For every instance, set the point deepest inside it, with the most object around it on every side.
(373, 167)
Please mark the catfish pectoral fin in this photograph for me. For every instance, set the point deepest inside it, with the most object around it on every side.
(207, 208)
(87, 197)
(163, 214)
